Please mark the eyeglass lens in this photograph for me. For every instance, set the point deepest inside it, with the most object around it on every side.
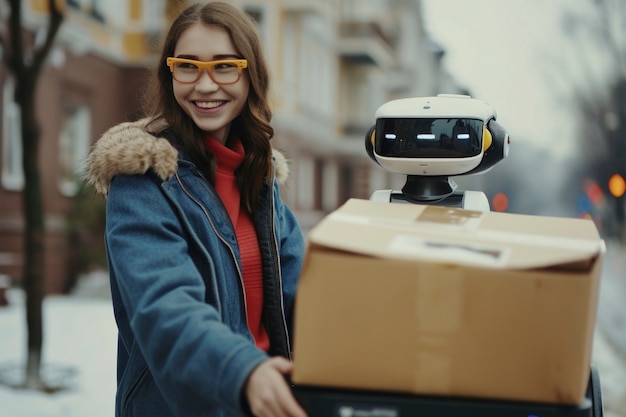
(223, 73)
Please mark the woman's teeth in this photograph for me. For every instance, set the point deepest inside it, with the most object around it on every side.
(209, 104)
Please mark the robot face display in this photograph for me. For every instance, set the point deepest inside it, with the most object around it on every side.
(429, 138)
(445, 135)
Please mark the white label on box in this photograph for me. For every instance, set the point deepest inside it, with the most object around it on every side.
(465, 253)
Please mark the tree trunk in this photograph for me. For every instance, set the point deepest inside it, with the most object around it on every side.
(26, 65)
(34, 236)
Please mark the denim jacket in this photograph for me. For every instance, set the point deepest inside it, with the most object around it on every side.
(184, 348)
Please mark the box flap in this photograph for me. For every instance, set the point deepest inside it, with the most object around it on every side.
(458, 236)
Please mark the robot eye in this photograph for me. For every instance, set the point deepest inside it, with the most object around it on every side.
(426, 136)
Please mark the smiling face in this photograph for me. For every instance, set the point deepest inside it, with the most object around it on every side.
(211, 106)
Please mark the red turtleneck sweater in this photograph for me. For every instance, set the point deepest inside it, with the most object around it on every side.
(228, 160)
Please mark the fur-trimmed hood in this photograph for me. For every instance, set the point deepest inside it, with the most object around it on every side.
(132, 148)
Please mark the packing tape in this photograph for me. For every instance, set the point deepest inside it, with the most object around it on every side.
(440, 303)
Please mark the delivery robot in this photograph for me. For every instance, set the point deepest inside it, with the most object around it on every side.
(431, 139)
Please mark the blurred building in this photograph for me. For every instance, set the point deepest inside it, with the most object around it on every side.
(333, 63)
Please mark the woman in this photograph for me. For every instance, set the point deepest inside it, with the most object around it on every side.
(203, 255)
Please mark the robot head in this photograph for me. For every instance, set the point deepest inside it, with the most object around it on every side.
(445, 135)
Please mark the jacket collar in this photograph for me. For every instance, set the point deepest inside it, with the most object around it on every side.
(135, 147)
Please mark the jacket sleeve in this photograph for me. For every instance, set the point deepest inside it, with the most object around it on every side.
(197, 362)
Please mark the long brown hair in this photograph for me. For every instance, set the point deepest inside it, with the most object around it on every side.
(252, 126)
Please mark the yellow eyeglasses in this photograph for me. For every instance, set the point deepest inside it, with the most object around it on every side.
(223, 72)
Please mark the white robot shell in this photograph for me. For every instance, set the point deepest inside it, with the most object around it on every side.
(430, 166)
(440, 108)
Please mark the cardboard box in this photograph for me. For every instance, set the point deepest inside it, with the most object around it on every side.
(444, 301)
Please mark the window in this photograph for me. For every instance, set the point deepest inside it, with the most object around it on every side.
(74, 141)
(12, 173)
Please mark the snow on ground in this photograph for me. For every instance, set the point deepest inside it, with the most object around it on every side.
(80, 345)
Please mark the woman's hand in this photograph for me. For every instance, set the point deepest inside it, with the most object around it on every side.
(268, 392)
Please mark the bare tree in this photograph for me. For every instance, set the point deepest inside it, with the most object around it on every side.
(596, 75)
(25, 60)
